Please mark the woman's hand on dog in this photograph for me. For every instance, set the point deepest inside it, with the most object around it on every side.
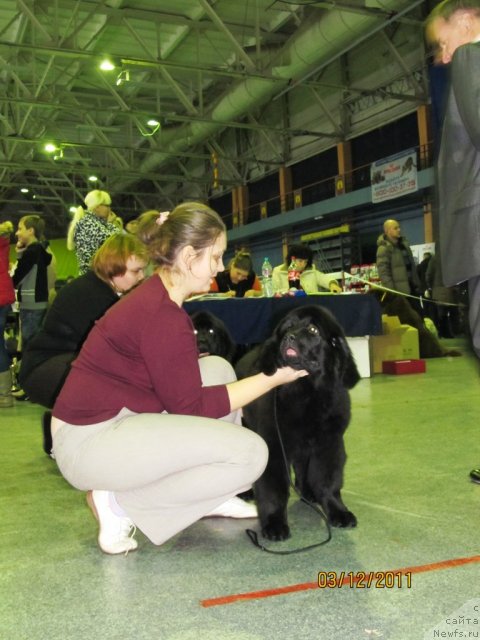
(244, 391)
(284, 375)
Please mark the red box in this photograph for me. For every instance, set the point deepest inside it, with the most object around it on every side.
(399, 367)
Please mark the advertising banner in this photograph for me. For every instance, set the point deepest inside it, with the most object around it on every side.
(394, 176)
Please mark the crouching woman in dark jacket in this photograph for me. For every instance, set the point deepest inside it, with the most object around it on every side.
(116, 267)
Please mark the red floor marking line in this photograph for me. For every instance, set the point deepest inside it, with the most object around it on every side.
(267, 593)
(305, 586)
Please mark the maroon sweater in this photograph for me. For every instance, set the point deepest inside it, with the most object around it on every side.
(142, 355)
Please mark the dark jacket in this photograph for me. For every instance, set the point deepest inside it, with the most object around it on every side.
(224, 284)
(30, 276)
(422, 269)
(396, 266)
(458, 170)
(73, 313)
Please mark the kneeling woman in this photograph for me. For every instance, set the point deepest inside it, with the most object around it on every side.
(117, 267)
(136, 423)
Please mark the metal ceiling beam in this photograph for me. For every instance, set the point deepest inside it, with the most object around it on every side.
(181, 95)
(119, 13)
(44, 182)
(102, 171)
(130, 61)
(419, 90)
(27, 11)
(138, 150)
(270, 143)
(172, 117)
(326, 111)
(226, 32)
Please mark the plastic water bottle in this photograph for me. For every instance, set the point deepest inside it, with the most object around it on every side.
(267, 282)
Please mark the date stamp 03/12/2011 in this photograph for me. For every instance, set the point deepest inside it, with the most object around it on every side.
(365, 579)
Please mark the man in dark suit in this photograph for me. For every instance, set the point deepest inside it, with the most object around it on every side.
(453, 27)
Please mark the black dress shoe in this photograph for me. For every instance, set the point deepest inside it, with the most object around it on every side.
(47, 434)
(475, 476)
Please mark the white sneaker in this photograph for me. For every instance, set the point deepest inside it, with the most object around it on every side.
(234, 508)
(116, 532)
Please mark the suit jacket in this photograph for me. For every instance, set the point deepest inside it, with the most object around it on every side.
(458, 170)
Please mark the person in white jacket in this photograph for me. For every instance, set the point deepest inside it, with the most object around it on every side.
(311, 279)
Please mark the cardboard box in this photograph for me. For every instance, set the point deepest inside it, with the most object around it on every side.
(399, 342)
(390, 323)
(399, 367)
(360, 349)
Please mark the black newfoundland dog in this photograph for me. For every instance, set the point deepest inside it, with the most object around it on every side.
(311, 414)
(213, 337)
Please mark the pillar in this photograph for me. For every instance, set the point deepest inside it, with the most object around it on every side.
(235, 208)
(344, 162)
(428, 222)
(285, 183)
(240, 204)
(424, 135)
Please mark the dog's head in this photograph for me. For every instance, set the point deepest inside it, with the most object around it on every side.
(310, 338)
(213, 338)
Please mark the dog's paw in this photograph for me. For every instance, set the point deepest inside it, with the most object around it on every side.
(343, 519)
(276, 530)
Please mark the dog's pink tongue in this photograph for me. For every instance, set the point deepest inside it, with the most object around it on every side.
(291, 352)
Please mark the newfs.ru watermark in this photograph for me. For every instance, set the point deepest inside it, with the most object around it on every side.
(463, 623)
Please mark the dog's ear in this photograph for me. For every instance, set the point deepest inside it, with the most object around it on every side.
(350, 375)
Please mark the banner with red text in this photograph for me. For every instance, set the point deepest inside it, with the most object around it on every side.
(394, 176)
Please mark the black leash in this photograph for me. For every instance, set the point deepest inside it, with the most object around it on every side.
(317, 508)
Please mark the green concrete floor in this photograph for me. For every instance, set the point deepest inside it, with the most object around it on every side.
(411, 444)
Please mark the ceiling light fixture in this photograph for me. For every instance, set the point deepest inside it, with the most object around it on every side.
(123, 76)
(107, 64)
(154, 124)
(50, 147)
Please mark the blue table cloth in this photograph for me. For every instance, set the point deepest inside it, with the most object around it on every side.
(251, 320)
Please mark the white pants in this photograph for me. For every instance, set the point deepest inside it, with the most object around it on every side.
(167, 471)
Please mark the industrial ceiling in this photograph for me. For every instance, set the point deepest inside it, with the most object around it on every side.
(242, 85)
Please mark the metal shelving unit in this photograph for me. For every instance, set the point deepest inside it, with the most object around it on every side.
(335, 249)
